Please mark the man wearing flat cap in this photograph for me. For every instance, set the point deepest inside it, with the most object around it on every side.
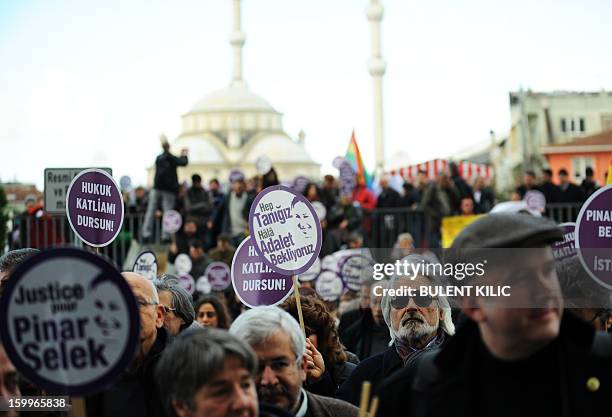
(515, 355)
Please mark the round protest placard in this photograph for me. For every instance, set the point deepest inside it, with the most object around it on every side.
(535, 200)
(69, 321)
(202, 285)
(320, 209)
(146, 265)
(263, 165)
(354, 269)
(312, 272)
(254, 282)
(347, 178)
(329, 285)
(126, 183)
(218, 275)
(171, 221)
(299, 183)
(566, 247)
(187, 282)
(94, 207)
(285, 229)
(594, 236)
(337, 162)
(236, 175)
(183, 264)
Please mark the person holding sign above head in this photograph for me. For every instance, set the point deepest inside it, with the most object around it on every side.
(280, 347)
(133, 394)
(331, 364)
(165, 186)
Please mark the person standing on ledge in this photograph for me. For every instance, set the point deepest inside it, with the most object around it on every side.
(165, 186)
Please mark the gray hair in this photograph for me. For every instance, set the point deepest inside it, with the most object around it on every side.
(181, 300)
(193, 360)
(446, 324)
(258, 324)
(11, 259)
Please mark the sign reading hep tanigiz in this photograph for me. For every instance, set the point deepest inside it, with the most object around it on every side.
(69, 321)
(594, 235)
(94, 206)
(285, 229)
(57, 181)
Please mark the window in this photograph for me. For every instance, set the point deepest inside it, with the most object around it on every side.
(573, 125)
(563, 125)
(579, 165)
(582, 125)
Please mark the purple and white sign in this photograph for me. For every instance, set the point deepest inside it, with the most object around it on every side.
(236, 175)
(329, 285)
(219, 276)
(171, 221)
(94, 207)
(203, 286)
(183, 264)
(312, 273)
(69, 321)
(594, 236)
(535, 200)
(255, 283)
(126, 183)
(337, 162)
(355, 269)
(187, 282)
(299, 183)
(263, 165)
(566, 247)
(285, 229)
(146, 265)
(347, 178)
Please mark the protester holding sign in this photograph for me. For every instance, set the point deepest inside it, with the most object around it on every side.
(324, 342)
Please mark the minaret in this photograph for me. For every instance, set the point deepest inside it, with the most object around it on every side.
(237, 38)
(377, 66)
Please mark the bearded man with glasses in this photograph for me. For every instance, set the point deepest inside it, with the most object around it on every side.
(417, 324)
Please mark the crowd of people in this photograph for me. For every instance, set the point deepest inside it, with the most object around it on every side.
(422, 355)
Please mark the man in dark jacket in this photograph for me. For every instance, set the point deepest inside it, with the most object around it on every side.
(233, 212)
(504, 360)
(417, 325)
(568, 191)
(165, 186)
(133, 394)
(548, 188)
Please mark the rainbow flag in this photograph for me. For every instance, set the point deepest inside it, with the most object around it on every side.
(353, 155)
(609, 179)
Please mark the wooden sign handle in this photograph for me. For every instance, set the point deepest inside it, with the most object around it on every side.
(298, 304)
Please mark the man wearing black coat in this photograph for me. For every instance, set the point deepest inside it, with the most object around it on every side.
(133, 394)
(504, 360)
(568, 191)
(417, 325)
(165, 186)
(548, 188)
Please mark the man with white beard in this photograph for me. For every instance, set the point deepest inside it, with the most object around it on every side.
(417, 324)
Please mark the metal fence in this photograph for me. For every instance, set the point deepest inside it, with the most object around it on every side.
(381, 229)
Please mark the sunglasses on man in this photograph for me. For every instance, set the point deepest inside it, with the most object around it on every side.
(422, 301)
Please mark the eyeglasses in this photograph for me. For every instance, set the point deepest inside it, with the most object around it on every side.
(168, 308)
(143, 303)
(403, 301)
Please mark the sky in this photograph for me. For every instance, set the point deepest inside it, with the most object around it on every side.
(94, 83)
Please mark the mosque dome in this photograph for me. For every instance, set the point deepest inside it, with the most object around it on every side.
(235, 98)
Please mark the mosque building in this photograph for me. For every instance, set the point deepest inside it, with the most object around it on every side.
(229, 129)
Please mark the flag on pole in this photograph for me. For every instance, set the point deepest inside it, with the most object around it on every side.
(609, 179)
(353, 155)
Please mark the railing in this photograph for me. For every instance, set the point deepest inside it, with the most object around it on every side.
(381, 229)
